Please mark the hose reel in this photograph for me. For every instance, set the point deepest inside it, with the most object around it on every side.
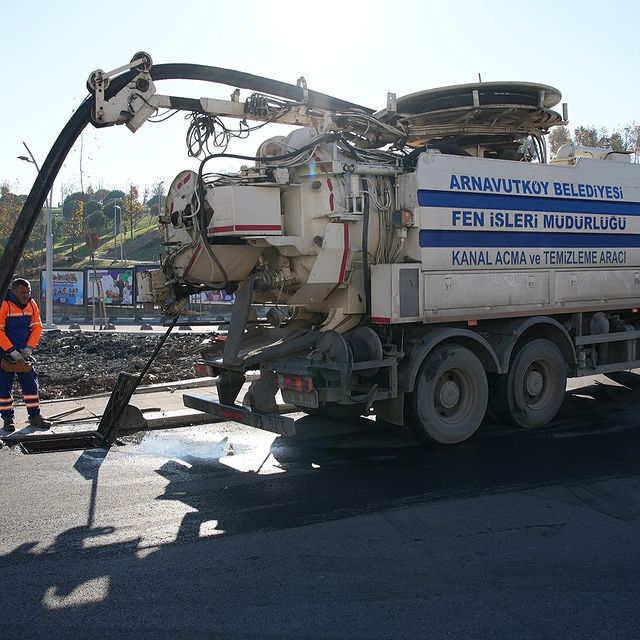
(360, 346)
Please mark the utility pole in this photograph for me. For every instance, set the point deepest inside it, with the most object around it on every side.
(49, 324)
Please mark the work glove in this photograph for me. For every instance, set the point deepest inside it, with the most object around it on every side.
(26, 352)
(16, 356)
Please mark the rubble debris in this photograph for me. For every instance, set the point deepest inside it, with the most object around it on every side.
(79, 364)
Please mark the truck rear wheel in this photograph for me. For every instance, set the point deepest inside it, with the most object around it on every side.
(531, 393)
(449, 399)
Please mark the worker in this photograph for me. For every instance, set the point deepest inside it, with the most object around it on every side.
(20, 331)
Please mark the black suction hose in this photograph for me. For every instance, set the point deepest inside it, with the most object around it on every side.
(244, 80)
(79, 120)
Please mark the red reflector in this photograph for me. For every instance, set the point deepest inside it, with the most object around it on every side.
(231, 415)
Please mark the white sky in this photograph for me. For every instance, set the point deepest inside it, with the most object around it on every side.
(353, 50)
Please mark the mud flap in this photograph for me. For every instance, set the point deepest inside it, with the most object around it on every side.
(238, 324)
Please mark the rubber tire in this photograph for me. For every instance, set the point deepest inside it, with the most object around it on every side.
(508, 396)
(453, 363)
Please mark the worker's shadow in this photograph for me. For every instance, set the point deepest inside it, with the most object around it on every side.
(51, 584)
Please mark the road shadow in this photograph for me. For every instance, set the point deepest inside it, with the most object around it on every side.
(78, 586)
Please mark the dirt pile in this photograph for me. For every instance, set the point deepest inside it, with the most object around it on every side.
(78, 364)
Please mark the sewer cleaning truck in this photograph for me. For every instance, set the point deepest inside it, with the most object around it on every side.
(424, 263)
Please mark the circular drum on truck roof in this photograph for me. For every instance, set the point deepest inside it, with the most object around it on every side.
(489, 93)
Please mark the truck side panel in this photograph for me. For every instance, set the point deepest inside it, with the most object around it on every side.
(503, 238)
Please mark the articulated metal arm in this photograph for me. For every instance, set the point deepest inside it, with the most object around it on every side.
(125, 89)
(137, 99)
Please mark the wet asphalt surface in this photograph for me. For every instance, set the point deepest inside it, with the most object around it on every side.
(222, 531)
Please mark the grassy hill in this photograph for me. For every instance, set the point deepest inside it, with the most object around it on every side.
(144, 245)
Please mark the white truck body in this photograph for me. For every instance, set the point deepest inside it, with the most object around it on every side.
(424, 262)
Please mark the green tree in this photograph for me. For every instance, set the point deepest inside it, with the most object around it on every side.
(110, 213)
(626, 138)
(591, 136)
(57, 223)
(616, 141)
(74, 227)
(631, 140)
(132, 210)
(96, 220)
(153, 201)
(101, 194)
(116, 194)
(69, 204)
(9, 209)
(558, 136)
(91, 206)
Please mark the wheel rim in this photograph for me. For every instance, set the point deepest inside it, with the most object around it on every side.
(537, 384)
(452, 395)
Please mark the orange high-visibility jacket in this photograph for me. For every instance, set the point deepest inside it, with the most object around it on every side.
(19, 327)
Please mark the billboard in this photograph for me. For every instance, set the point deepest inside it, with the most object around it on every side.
(68, 286)
(213, 297)
(141, 271)
(116, 286)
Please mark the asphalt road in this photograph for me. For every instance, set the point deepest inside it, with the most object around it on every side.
(220, 531)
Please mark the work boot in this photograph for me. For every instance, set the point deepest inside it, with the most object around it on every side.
(38, 422)
(8, 424)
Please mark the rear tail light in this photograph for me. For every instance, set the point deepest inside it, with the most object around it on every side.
(203, 370)
(295, 383)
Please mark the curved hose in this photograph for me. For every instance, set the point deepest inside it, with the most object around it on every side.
(79, 120)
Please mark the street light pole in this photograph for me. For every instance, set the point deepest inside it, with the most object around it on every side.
(49, 323)
(160, 197)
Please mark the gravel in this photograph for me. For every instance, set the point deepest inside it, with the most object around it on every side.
(79, 364)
